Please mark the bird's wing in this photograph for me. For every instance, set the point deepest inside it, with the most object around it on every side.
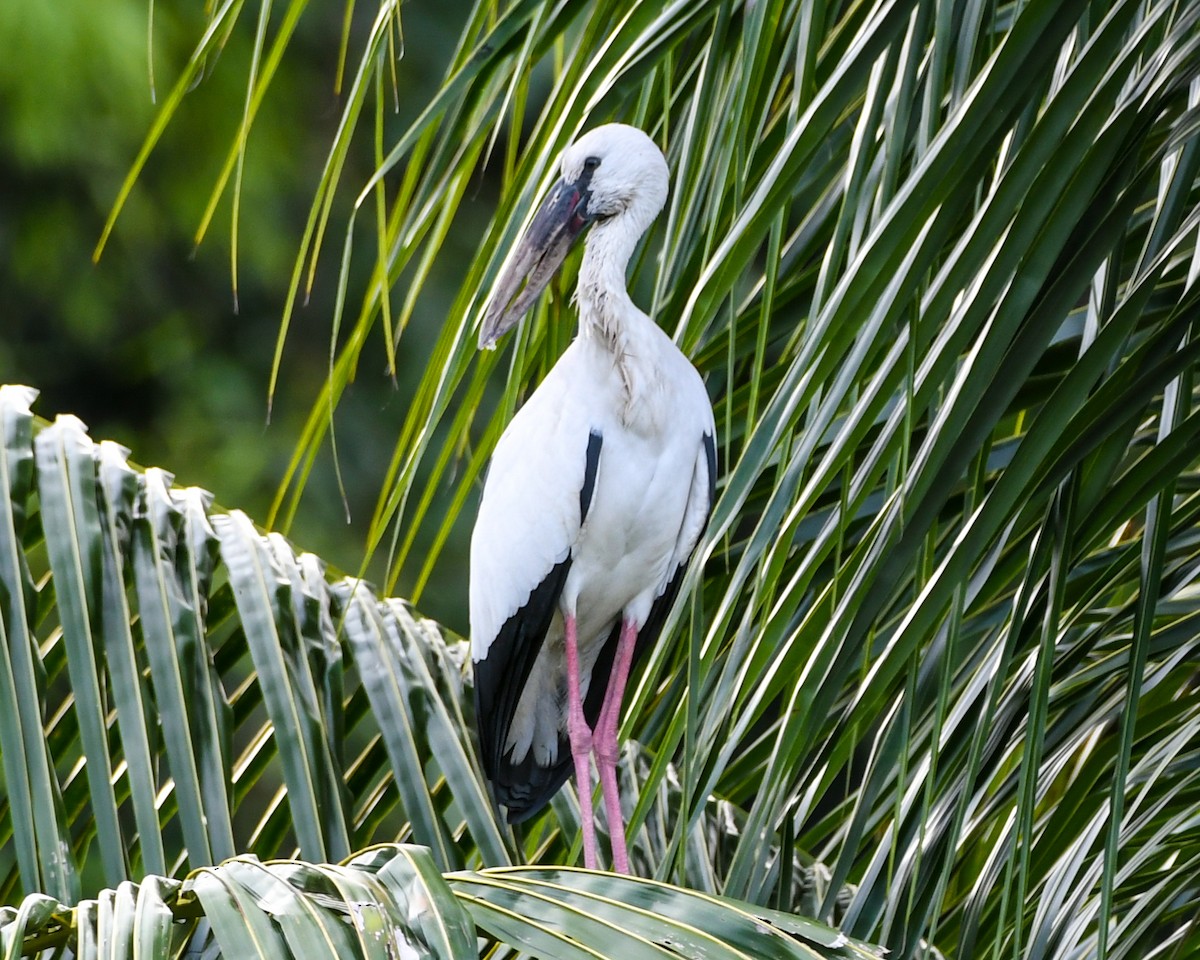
(537, 493)
(695, 519)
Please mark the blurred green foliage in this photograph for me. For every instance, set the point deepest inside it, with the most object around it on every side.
(147, 346)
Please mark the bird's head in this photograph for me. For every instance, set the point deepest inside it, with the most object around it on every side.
(614, 177)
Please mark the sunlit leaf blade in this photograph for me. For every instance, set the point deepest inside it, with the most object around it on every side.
(437, 920)
(118, 483)
(71, 523)
(367, 630)
(38, 822)
(269, 596)
(223, 19)
(36, 913)
(182, 683)
(632, 917)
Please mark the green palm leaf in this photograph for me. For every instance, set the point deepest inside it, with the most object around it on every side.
(190, 689)
(938, 265)
(390, 901)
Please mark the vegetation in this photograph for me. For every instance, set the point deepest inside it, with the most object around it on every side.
(934, 682)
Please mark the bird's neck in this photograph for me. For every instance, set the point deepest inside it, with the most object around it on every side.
(609, 318)
(604, 303)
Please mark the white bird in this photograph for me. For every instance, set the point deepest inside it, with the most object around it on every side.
(598, 492)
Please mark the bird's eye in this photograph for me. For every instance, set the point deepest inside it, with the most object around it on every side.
(591, 163)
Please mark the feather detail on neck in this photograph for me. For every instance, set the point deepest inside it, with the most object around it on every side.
(606, 312)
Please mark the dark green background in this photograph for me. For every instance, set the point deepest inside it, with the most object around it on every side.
(147, 347)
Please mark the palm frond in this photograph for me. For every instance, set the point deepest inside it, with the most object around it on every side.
(181, 687)
(391, 901)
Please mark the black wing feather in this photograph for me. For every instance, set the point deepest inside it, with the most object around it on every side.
(500, 677)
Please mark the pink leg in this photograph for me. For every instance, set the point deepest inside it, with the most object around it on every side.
(606, 744)
(581, 745)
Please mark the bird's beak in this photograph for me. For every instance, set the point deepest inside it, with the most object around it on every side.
(556, 226)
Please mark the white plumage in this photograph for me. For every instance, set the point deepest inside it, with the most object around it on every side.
(596, 496)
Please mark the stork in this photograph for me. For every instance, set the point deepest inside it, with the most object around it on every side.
(597, 494)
